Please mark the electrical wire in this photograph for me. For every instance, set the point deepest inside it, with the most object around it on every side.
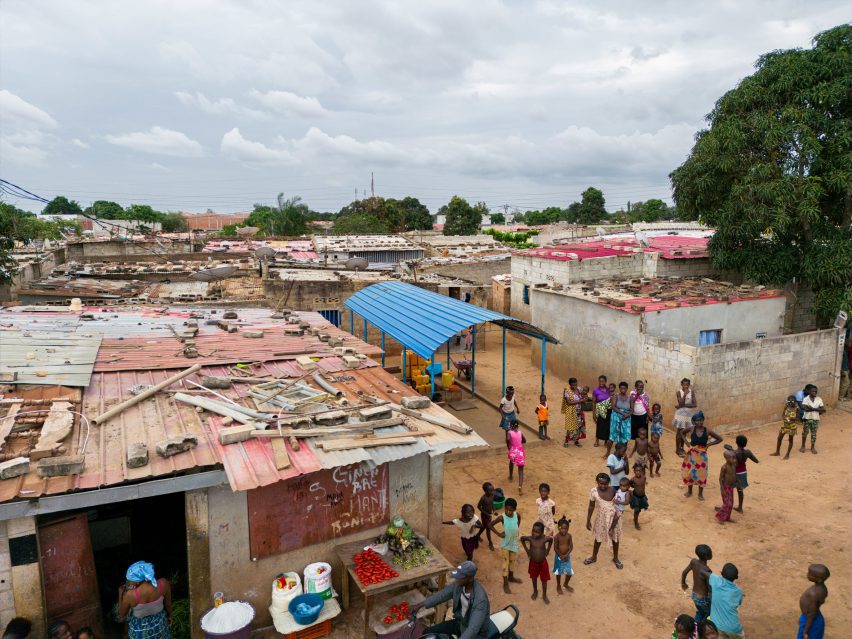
(82, 450)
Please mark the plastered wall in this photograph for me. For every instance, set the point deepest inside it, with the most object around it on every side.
(234, 573)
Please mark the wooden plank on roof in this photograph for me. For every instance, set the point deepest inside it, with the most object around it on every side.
(7, 422)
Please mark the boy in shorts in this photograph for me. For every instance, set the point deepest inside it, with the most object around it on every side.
(812, 408)
(563, 544)
(743, 455)
(537, 547)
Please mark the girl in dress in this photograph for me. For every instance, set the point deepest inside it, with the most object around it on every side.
(602, 497)
(515, 441)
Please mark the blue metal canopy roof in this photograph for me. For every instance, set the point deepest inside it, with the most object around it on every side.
(422, 320)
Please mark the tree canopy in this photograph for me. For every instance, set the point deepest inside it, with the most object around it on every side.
(415, 214)
(22, 226)
(462, 218)
(370, 215)
(288, 218)
(61, 205)
(773, 171)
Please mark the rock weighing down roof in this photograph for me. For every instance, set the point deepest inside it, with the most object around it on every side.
(143, 348)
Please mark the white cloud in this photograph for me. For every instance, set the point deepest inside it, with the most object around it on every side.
(250, 152)
(158, 167)
(159, 141)
(222, 106)
(290, 103)
(79, 143)
(25, 132)
(317, 142)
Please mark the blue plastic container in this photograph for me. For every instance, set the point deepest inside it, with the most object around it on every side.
(309, 599)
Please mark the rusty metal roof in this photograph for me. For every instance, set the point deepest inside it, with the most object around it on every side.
(247, 465)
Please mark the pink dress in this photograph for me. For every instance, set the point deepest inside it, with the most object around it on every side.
(516, 447)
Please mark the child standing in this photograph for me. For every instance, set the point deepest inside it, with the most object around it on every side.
(727, 480)
(812, 623)
(790, 427)
(542, 412)
(509, 410)
(546, 509)
(639, 500)
(700, 574)
(486, 510)
(812, 408)
(743, 455)
(471, 530)
(657, 420)
(564, 546)
(640, 447)
(511, 520)
(515, 441)
(655, 454)
(537, 547)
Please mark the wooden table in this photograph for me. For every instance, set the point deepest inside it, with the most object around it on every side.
(437, 566)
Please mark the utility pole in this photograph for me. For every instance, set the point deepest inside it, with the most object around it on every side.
(372, 185)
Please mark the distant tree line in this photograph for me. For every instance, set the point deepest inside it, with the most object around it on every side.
(17, 225)
(170, 222)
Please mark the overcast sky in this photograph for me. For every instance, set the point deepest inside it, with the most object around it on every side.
(190, 104)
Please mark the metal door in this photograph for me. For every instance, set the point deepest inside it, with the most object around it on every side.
(68, 569)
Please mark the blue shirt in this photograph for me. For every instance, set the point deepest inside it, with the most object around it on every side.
(724, 604)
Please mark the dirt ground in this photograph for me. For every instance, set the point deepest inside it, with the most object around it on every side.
(793, 516)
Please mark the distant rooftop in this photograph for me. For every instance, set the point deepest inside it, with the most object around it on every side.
(643, 295)
(675, 246)
(342, 243)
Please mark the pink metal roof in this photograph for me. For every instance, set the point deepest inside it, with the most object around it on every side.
(672, 247)
(652, 304)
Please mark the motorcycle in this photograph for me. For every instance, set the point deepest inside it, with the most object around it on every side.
(501, 625)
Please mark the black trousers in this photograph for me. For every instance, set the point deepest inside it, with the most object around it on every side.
(451, 627)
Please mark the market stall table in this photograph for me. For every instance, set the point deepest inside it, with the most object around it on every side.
(437, 566)
(286, 625)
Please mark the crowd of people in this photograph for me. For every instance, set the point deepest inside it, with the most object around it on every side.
(630, 427)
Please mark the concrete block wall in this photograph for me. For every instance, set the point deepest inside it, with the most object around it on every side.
(7, 599)
(799, 316)
(480, 272)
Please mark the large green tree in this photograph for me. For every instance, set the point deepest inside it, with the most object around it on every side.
(61, 205)
(462, 218)
(592, 207)
(773, 172)
(415, 214)
(105, 210)
(288, 218)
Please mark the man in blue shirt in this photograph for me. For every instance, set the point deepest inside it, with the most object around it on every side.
(725, 600)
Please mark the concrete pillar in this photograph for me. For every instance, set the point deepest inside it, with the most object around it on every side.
(198, 557)
(25, 598)
(436, 499)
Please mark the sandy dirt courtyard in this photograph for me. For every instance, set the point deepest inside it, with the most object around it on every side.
(796, 512)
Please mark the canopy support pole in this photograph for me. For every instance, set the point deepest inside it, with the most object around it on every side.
(543, 361)
(473, 362)
(432, 377)
(351, 322)
(404, 367)
(448, 355)
(365, 329)
(503, 391)
(383, 349)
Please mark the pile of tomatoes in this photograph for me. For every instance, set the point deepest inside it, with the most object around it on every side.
(398, 612)
(372, 569)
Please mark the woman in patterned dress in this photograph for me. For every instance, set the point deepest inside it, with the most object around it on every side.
(603, 496)
(572, 408)
(694, 468)
(146, 602)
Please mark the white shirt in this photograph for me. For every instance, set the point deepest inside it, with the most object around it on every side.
(807, 403)
(614, 462)
(467, 527)
(464, 602)
(508, 405)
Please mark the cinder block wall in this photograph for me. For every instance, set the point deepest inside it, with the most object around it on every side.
(479, 272)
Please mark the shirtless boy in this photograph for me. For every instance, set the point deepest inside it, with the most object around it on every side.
(727, 480)
(486, 510)
(640, 447)
(563, 543)
(655, 455)
(638, 499)
(700, 586)
(743, 455)
(538, 547)
(812, 623)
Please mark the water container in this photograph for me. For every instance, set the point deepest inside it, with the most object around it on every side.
(447, 379)
(318, 580)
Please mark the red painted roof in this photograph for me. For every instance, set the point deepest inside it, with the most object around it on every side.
(670, 247)
(653, 304)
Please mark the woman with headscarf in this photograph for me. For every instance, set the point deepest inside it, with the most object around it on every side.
(146, 602)
(694, 468)
(572, 408)
(605, 530)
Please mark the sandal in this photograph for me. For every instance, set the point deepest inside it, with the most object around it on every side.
(589, 561)
(618, 564)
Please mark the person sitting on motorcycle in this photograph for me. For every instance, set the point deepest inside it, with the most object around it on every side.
(470, 605)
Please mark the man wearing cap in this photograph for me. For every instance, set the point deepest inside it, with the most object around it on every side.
(470, 605)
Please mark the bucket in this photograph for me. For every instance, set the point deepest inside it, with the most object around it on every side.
(231, 620)
(318, 580)
(281, 596)
(447, 379)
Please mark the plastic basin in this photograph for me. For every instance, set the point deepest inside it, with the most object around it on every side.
(309, 599)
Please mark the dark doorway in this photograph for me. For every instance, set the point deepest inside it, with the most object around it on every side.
(151, 529)
(455, 292)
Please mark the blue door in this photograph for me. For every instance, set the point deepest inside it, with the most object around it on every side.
(331, 316)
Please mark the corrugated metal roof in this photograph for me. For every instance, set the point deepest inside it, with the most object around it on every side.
(48, 358)
(422, 320)
(247, 464)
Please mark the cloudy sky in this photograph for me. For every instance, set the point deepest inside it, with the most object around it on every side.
(195, 104)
